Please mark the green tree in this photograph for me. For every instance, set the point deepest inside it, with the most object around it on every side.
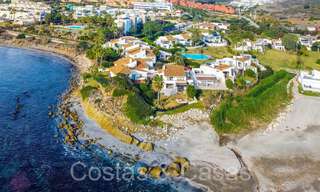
(250, 73)
(21, 36)
(178, 59)
(316, 46)
(157, 84)
(229, 84)
(240, 82)
(290, 41)
(318, 61)
(83, 46)
(196, 36)
(192, 91)
(152, 29)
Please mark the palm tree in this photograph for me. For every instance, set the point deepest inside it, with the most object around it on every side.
(157, 84)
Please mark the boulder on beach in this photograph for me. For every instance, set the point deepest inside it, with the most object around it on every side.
(134, 141)
(155, 172)
(146, 146)
(184, 164)
(173, 170)
(143, 170)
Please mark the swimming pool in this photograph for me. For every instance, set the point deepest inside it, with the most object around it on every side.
(196, 56)
(75, 27)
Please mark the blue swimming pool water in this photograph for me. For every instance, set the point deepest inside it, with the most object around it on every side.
(75, 27)
(195, 56)
(33, 155)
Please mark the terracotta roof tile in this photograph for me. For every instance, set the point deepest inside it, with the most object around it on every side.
(122, 61)
(222, 67)
(120, 69)
(174, 70)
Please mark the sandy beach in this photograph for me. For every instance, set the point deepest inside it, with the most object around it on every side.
(286, 156)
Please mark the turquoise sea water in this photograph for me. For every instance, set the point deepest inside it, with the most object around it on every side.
(195, 56)
(33, 156)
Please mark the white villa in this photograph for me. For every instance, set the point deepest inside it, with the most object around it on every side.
(138, 59)
(23, 12)
(310, 81)
(307, 41)
(169, 41)
(277, 44)
(214, 40)
(174, 79)
(235, 65)
(248, 45)
(208, 78)
(260, 45)
(211, 26)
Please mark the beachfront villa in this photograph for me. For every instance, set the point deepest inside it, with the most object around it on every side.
(208, 78)
(310, 81)
(231, 67)
(174, 79)
(138, 59)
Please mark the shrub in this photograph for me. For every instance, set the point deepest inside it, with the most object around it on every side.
(122, 81)
(250, 73)
(21, 36)
(240, 82)
(259, 105)
(86, 91)
(148, 93)
(136, 109)
(266, 73)
(119, 92)
(191, 91)
(86, 76)
(101, 80)
(191, 63)
(229, 84)
(318, 61)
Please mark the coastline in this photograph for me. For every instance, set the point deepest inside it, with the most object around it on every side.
(163, 154)
(72, 57)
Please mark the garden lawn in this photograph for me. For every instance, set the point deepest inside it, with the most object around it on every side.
(285, 60)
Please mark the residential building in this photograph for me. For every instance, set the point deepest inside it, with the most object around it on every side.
(248, 45)
(138, 59)
(307, 41)
(174, 79)
(310, 81)
(214, 40)
(153, 6)
(24, 12)
(208, 78)
(169, 41)
(231, 67)
(205, 6)
(277, 44)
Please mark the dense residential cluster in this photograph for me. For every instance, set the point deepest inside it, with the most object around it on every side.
(260, 45)
(24, 12)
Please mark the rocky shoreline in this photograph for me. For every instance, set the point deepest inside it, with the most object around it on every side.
(72, 125)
